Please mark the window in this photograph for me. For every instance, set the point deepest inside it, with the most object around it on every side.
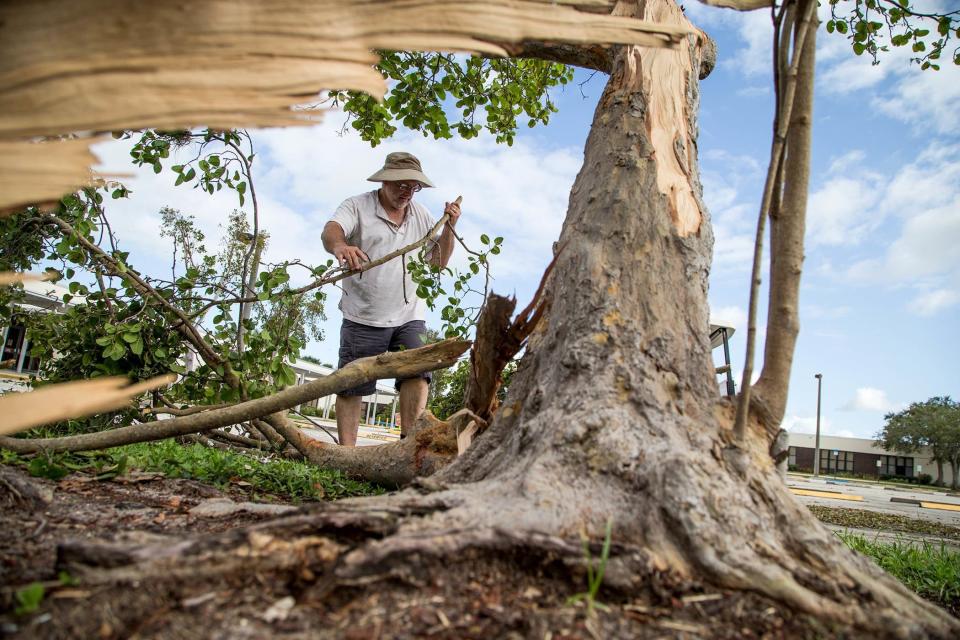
(833, 461)
(792, 461)
(897, 466)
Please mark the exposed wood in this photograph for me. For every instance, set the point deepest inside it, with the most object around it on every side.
(9, 277)
(387, 365)
(50, 403)
(81, 65)
(34, 172)
(740, 5)
(465, 437)
(498, 342)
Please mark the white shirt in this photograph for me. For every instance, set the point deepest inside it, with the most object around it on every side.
(376, 297)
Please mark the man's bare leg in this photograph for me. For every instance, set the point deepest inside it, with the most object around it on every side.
(413, 400)
(348, 419)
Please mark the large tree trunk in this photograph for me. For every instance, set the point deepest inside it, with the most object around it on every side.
(612, 416)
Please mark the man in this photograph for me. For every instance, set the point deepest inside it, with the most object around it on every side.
(381, 311)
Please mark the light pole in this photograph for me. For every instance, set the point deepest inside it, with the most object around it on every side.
(816, 444)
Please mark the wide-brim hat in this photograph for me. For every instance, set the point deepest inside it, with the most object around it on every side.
(401, 166)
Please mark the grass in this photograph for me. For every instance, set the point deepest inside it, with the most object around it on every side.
(264, 473)
(594, 572)
(933, 572)
(862, 519)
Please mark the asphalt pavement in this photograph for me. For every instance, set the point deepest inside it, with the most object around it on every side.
(933, 505)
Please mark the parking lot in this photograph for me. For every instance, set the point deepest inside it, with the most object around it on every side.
(925, 504)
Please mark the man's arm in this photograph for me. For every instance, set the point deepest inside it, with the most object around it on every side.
(444, 249)
(335, 242)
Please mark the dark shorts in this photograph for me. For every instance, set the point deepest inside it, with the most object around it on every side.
(361, 341)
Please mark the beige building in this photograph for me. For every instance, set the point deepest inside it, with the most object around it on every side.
(860, 456)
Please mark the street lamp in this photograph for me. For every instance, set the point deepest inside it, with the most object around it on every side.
(816, 445)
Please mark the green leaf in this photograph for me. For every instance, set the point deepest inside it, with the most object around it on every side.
(44, 467)
(29, 598)
(137, 347)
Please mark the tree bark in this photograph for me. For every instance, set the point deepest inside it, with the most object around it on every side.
(787, 227)
(612, 416)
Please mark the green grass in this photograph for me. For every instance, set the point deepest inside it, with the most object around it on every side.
(288, 479)
(933, 572)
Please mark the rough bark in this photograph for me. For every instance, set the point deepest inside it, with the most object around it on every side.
(612, 416)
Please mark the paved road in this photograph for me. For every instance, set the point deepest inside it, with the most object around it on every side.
(367, 436)
(877, 497)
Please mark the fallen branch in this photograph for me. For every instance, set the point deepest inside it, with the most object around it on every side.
(400, 364)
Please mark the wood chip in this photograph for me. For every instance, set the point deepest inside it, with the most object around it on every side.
(196, 601)
(680, 626)
(703, 597)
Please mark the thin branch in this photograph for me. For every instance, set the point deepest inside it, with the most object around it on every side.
(185, 327)
(770, 186)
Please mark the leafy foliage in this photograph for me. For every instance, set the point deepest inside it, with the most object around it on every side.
(871, 24)
(427, 89)
(448, 389)
(458, 320)
(934, 423)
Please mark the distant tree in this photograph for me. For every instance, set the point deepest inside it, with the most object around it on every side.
(933, 424)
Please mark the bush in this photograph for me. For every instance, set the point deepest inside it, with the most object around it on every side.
(925, 478)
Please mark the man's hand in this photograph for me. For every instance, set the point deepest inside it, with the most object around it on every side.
(350, 256)
(453, 210)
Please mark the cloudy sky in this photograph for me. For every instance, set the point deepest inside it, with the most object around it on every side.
(880, 300)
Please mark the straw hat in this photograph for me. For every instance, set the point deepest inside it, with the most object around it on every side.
(401, 166)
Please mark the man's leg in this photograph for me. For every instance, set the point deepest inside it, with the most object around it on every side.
(348, 419)
(413, 400)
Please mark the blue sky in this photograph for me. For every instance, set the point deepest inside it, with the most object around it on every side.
(880, 299)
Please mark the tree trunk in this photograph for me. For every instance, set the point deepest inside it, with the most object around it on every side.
(612, 416)
(939, 481)
(953, 472)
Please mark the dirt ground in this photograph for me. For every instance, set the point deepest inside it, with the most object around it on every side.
(476, 595)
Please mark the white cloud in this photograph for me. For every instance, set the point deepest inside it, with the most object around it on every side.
(808, 424)
(932, 302)
(822, 312)
(732, 316)
(725, 178)
(519, 192)
(843, 210)
(756, 34)
(869, 399)
(925, 98)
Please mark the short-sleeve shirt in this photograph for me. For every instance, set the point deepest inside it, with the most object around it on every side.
(378, 297)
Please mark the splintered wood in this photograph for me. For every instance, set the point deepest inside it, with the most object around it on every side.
(19, 411)
(71, 66)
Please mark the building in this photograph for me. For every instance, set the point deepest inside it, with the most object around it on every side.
(37, 296)
(385, 395)
(860, 457)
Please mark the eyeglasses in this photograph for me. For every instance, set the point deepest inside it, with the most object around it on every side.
(406, 186)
